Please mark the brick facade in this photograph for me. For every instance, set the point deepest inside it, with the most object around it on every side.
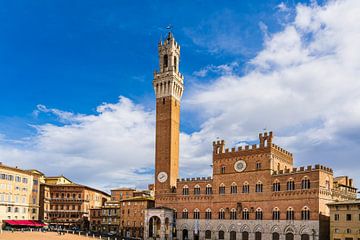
(255, 192)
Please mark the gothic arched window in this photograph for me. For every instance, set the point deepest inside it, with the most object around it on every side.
(222, 189)
(166, 60)
(233, 215)
(233, 188)
(305, 213)
(259, 187)
(246, 188)
(290, 214)
(197, 190)
(185, 190)
(305, 183)
(258, 214)
(196, 214)
(290, 185)
(276, 186)
(245, 214)
(208, 213)
(185, 214)
(276, 214)
(221, 213)
(175, 63)
(208, 189)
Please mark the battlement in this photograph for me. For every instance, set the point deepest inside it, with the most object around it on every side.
(265, 140)
(169, 41)
(281, 150)
(303, 169)
(194, 179)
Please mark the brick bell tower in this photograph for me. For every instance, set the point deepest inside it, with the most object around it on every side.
(168, 84)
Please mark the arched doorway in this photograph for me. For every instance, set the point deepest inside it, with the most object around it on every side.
(221, 234)
(185, 234)
(196, 235)
(289, 236)
(232, 235)
(275, 236)
(257, 235)
(245, 235)
(207, 234)
(305, 237)
(154, 227)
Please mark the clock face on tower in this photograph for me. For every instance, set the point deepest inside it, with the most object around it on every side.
(240, 166)
(162, 177)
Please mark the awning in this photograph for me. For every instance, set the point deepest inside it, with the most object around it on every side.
(25, 223)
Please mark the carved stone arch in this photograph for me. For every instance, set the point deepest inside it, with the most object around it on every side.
(244, 228)
(208, 226)
(221, 227)
(275, 228)
(185, 226)
(305, 230)
(258, 228)
(289, 229)
(233, 228)
(233, 184)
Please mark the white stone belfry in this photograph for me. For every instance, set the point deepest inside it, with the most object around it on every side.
(168, 81)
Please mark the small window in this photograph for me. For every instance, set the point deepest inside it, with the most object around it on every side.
(246, 188)
(196, 214)
(222, 189)
(258, 165)
(222, 169)
(208, 214)
(348, 217)
(208, 189)
(185, 214)
(221, 214)
(336, 217)
(305, 213)
(197, 190)
(207, 234)
(166, 60)
(276, 186)
(259, 187)
(233, 215)
(185, 190)
(245, 214)
(233, 188)
(276, 214)
(290, 185)
(258, 214)
(305, 183)
(290, 214)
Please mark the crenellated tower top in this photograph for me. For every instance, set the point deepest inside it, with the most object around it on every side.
(168, 81)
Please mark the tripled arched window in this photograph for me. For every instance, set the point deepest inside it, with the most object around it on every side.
(185, 190)
(221, 213)
(276, 214)
(290, 185)
(246, 187)
(258, 214)
(196, 213)
(290, 214)
(233, 188)
(276, 186)
(208, 189)
(208, 214)
(245, 214)
(305, 183)
(197, 190)
(185, 214)
(222, 189)
(305, 213)
(233, 215)
(259, 187)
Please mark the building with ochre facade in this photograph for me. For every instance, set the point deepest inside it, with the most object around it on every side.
(255, 192)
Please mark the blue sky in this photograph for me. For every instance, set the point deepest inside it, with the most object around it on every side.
(248, 65)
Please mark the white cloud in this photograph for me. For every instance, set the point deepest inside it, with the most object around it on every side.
(104, 150)
(304, 85)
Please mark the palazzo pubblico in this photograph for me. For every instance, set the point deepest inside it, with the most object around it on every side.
(255, 192)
